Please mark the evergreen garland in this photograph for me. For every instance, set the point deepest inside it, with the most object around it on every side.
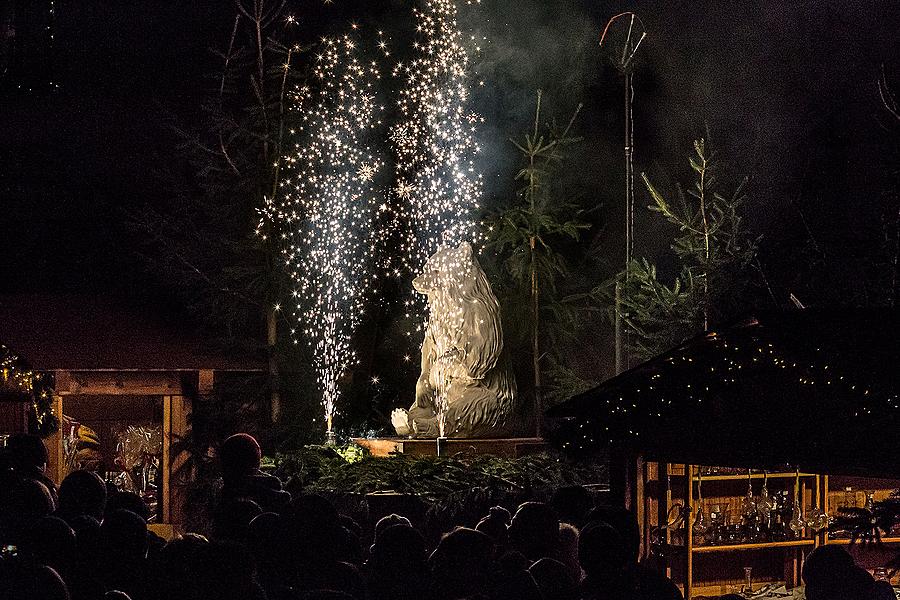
(432, 478)
(21, 383)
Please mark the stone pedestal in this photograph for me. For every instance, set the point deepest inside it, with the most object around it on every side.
(507, 447)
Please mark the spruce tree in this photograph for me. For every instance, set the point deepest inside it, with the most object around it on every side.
(527, 233)
(714, 253)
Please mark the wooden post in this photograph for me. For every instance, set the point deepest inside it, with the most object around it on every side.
(689, 533)
(164, 494)
(641, 504)
(176, 412)
(56, 465)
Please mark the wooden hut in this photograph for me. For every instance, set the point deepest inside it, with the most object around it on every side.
(116, 364)
(804, 405)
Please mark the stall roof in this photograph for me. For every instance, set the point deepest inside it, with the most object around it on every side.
(815, 388)
(84, 332)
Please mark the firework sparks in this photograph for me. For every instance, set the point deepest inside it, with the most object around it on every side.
(328, 209)
(438, 185)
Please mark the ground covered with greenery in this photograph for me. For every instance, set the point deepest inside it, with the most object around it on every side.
(350, 470)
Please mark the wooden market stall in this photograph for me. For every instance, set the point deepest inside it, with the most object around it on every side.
(734, 448)
(124, 378)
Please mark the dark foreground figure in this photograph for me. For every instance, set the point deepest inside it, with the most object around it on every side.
(83, 543)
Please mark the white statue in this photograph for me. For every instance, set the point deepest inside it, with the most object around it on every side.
(466, 388)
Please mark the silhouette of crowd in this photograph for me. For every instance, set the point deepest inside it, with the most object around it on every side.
(87, 542)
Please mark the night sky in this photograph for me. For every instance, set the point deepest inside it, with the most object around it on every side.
(787, 90)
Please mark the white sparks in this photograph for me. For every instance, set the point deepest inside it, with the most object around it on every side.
(434, 141)
(328, 210)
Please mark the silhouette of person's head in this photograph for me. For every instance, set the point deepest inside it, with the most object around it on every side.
(572, 504)
(124, 535)
(831, 574)
(399, 550)
(534, 530)
(513, 561)
(38, 582)
(82, 493)
(553, 579)
(354, 534)
(496, 525)
(231, 520)
(50, 541)
(601, 551)
(226, 570)
(27, 452)
(624, 522)
(87, 534)
(315, 532)
(343, 577)
(178, 562)
(30, 499)
(266, 533)
(239, 456)
(389, 521)
(128, 501)
(515, 586)
(462, 564)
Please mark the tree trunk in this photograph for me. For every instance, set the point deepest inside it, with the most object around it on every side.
(272, 340)
(535, 342)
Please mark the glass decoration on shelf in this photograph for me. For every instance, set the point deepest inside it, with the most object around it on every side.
(700, 524)
(797, 522)
(750, 511)
(765, 503)
(816, 519)
(718, 525)
(748, 505)
(747, 590)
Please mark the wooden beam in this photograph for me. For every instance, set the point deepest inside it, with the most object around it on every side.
(205, 381)
(120, 383)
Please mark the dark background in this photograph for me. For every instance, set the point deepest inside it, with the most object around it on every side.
(786, 90)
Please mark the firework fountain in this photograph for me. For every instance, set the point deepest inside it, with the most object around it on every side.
(330, 212)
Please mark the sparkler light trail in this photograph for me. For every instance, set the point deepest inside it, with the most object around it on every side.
(329, 212)
(437, 187)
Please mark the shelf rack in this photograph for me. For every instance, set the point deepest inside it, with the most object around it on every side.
(663, 489)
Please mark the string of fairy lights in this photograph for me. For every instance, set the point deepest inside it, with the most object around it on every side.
(29, 385)
(339, 203)
(697, 373)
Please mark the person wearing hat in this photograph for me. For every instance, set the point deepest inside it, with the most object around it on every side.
(239, 457)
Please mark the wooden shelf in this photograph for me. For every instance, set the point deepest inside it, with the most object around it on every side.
(753, 546)
(699, 569)
(744, 477)
(846, 541)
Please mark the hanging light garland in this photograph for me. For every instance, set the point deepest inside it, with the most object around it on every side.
(704, 371)
(20, 382)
